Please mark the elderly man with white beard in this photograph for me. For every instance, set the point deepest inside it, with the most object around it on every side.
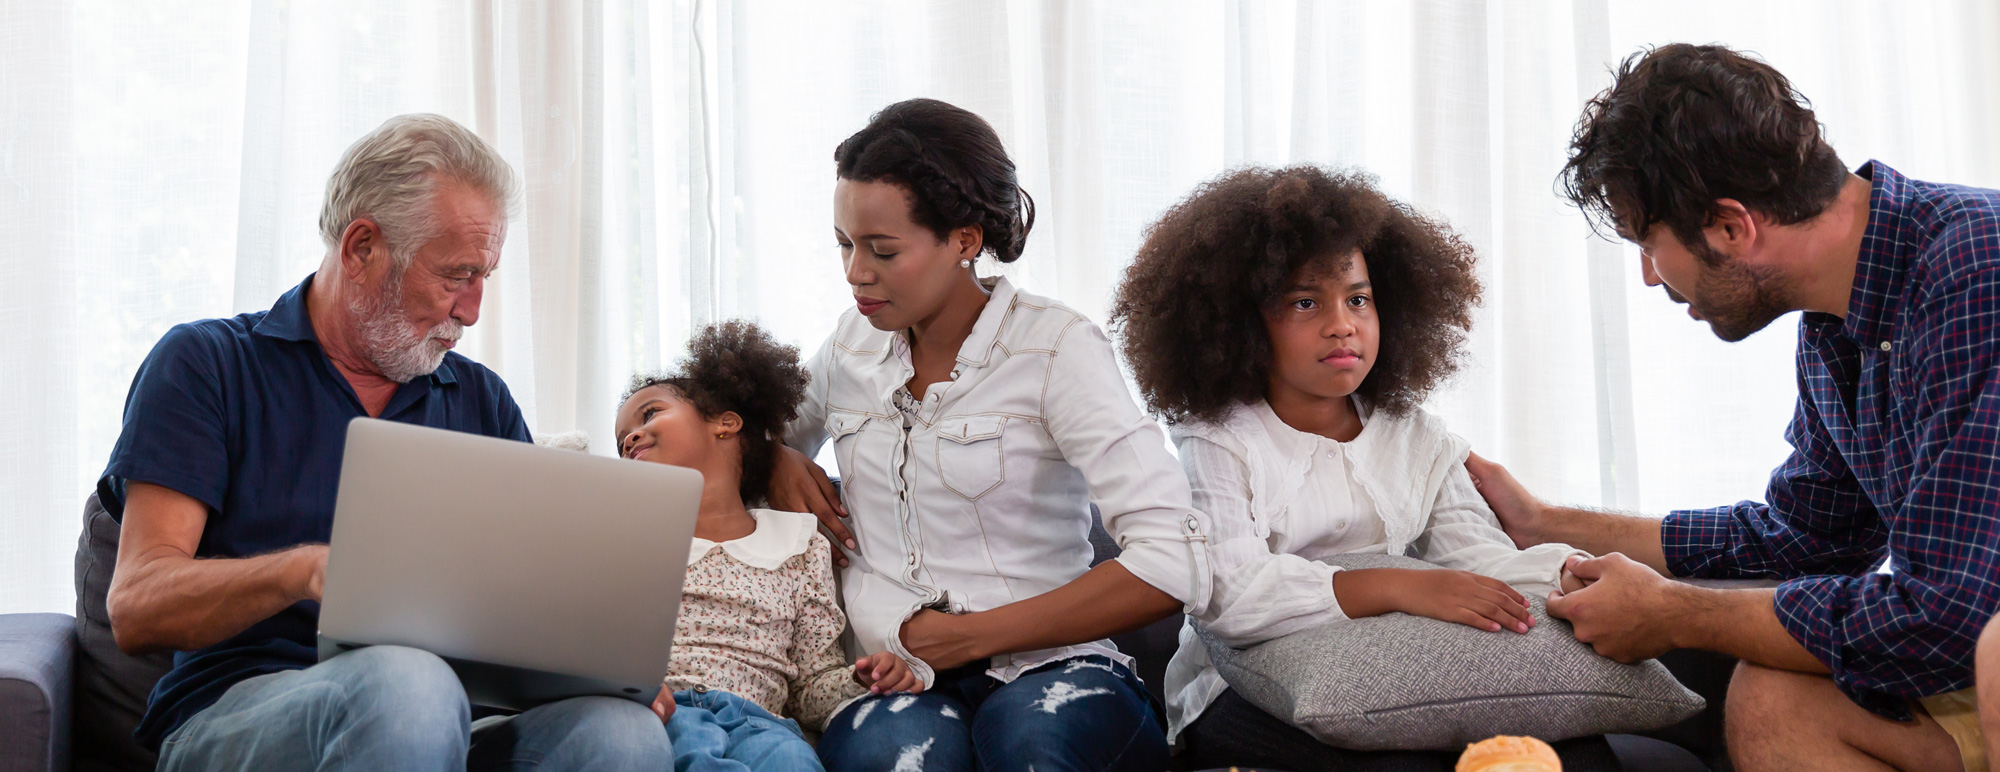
(224, 476)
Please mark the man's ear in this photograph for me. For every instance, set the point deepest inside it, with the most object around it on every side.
(359, 248)
(1732, 227)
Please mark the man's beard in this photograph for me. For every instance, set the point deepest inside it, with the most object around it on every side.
(1735, 299)
(392, 343)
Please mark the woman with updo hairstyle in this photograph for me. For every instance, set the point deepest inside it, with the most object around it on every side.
(974, 424)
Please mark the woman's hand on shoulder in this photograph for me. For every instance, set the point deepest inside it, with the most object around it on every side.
(799, 485)
(885, 673)
(1452, 596)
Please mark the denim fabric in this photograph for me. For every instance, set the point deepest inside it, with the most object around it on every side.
(1086, 714)
(715, 731)
(394, 708)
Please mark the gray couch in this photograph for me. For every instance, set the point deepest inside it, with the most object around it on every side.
(69, 698)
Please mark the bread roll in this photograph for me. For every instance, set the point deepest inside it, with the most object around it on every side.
(1509, 754)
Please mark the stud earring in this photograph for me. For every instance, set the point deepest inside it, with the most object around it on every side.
(967, 263)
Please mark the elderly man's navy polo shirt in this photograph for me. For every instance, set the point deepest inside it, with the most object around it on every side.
(249, 417)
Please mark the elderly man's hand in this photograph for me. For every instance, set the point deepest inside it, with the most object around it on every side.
(1627, 611)
(799, 485)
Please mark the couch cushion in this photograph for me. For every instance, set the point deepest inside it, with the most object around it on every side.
(1405, 682)
(35, 653)
(111, 686)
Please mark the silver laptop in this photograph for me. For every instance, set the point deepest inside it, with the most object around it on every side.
(537, 574)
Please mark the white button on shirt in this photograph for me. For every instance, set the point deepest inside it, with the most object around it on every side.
(984, 499)
(1279, 501)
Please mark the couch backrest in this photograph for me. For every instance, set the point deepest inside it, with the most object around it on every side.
(111, 686)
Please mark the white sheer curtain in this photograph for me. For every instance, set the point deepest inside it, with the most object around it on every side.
(163, 161)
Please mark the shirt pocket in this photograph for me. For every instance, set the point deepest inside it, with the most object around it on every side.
(969, 456)
(841, 429)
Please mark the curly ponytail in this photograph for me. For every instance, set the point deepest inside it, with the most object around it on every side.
(736, 366)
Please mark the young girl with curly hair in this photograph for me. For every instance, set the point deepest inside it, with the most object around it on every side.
(1287, 323)
(759, 630)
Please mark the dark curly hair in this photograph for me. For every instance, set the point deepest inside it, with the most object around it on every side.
(736, 366)
(953, 166)
(1191, 309)
(1684, 125)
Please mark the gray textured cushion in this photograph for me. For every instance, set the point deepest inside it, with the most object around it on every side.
(111, 686)
(35, 692)
(1404, 682)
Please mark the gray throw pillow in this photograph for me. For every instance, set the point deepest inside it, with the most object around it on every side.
(1413, 683)
(111, 686)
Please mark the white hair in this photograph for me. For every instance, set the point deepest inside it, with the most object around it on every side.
(391, 176)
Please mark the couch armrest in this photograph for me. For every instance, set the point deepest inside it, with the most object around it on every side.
(35, 655)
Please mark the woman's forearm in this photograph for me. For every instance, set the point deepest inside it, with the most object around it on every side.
(1105, 601)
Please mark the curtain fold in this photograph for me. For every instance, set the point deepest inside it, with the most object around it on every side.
(164, 161)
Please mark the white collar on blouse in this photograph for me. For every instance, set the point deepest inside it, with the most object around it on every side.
(780, 536)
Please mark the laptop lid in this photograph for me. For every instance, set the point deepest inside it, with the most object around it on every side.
(539, 574)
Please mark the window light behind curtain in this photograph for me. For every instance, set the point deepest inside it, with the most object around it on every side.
(163, 161)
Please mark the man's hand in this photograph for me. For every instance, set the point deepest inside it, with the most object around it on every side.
(1519, 511)
(799, 485)
(885, 673)
(939, 639)
(1626, 611)
(663, 705)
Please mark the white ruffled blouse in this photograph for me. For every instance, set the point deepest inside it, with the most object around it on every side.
(1279, 501)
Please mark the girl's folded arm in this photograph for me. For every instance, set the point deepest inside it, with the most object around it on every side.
(1256, 594)
(825, 678)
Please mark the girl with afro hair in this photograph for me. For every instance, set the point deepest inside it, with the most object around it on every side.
(759, 630)
(1287, 323)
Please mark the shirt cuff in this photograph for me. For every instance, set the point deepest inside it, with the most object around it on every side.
(1695, 541)
(1177, 568)
(1806, 607)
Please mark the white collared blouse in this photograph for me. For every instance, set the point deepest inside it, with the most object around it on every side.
(1281, 501)
(983, 500)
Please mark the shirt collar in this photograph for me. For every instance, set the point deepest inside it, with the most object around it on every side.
(1880, 267)
(978, 345)
(288, 319)
(778, 537)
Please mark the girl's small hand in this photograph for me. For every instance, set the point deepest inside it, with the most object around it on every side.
(1453, 596)
(1570, 582)
(663, 705)
(885, 673)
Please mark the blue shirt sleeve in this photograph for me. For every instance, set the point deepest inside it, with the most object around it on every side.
(176, 430)
(1815, 519)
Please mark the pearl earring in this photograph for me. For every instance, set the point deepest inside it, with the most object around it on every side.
(966, 263)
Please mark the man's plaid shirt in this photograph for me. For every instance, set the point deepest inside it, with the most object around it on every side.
(1896, 452)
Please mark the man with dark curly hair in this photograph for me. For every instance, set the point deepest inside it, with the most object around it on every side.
(1713, 165)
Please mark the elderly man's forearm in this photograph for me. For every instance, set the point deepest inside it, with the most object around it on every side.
(179, 603)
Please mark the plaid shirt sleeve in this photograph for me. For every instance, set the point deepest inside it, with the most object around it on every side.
(1817, 519)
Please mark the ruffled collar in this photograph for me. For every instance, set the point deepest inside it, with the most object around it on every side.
(780, 536)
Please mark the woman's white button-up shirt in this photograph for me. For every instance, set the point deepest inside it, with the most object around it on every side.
(983, 500)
